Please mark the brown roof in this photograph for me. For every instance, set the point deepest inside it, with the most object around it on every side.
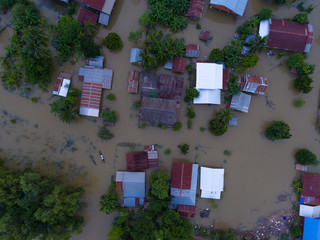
(311, 188)
(170, 87)
(149, 84)
(290, 35)
(226, 77)
(97, 4)
(187, 211)
(196, 9)
(179, 64)
(254, 84)
(85, 15)
(133, 81)
(137, 161)
(204, 35)
(192, 50)
(181, 175)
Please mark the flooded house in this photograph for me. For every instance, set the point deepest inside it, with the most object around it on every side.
(62, 84)
(90, 99)
(170, 87)
(132, 185)
(103, 6)
(149, 84)
(179, 64)
(133, 81)
(192, 50)
(287, 35)
(153, 160)
(311, 228)
(209, 82)
(241, 102)
(196, 9)
(211, 182)
(142, 160)
(135, 57)
(183, 188)
(86, 15)
(311, 189)
(95, 62)
(204, 35)
(253, 84)
(230, 6)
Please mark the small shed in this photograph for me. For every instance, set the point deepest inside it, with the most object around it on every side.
(233, 121)
(62, 84)
(90, 99)
(95, 62)
(179, 64)
(196, 9)
(211, 182)
(204, 35)
(311, 228)
(241, 102)
(187, 211)
(137, 161)
(254, 84)
(86, 15)
(133, 81)
(104, 18)
(192, 50)
(311, 189)
(301, 168)
(135, 57)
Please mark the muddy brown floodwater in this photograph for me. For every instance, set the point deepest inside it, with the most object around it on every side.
(259, 172)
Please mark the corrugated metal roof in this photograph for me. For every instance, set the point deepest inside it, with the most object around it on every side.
(104, 19)
(137, 161)
(236, 6)
(85, 15)
(97, 4)
(95, 62)
(99, 75)
(187, 211)
(209, 76)
(204, 35)
(311, 230)
(179, 64)
(108, 6)
(311, 189)
(192, 50)
(211, 182)
(149, 84)
(170, 87)
(196, 9)
(135, 55)
(241, 102)
(254, 84)
(168, 65)
(90, 99)
(181, 175)
(133, 81)
(289, 35)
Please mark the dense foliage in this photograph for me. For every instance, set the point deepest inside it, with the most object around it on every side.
(34, 206)
(219, 125)
(249, 26)
(87, 47)
(216, 55)
(249, 61)
(190, 113)
(303, 84)
(306, 157)
(191, 93)
(28, 58)
(297, 61)
(232, 53)
(301, 18)
(159, 185)
(109, 116)
(67, 107)
(265, 13)
(113, 41)
(227, 235)
(278, 130)
(135, 36)
(108, 202)
(233, 87)
(177, 126)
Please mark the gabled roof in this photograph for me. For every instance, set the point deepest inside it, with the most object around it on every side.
(108, 6)
(170, 87)
(311, 229)
(309, 211)
(62, 84)
(204, 35)
(153, 160)
(85, 15)
(179, 64)
(208, 96)
(137, 161)
(90, 99)
(192, 50)
(311, 189)
(187, 211)
(184, 184)
(254, 84)
(95, 62)
(98, 75)
(133, 81)
(211, 182)
(236, 6)
(196, 9)
(289, 35)
(241, 102)
(96, 4)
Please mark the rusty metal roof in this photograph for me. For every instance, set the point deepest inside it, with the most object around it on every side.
(187, 211)
(170, 87)
(181, 175)
(133, 81)
(137, 161)
(192, 50)
(97, 4)
(196, 9)
(179, 64)
(85, 15)
(311, 188)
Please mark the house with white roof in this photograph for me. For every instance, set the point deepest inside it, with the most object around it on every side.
(211, 182)
(209, 82)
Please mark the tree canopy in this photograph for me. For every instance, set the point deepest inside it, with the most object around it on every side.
(108, 202)
(36, 206)
(113, 41)
(159, 185)
(306, 157)
(278, 130)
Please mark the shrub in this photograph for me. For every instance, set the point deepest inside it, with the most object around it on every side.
(297, 186)
(189, 124)
(249, 61)
(202, 129)
(113, 41)
(281, 1)
(216, 55)
(217, 127)
(190, 113)
(299, 102)
(13, 121)
(265, 13)
(109, 116)
(104, 133)
(71, 8)
(111, 97)
(278, 130)
(227, 152)
(184, 148)
(191, 93)
(198, 26)
(301, 18)
(135, 36)
(136, 105)
(295, 230)
(306, 157)
(33, 99)
(177, 126)
(233, 87)
(167, 151)
(108, 202)
(296, 60)
(303, 84)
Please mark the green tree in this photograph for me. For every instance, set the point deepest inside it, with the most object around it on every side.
(306, 157)
(265, 13)
(278, 130)
(296, 60)
(303, 84)
(232, 53)
(225, 235)
(301, 18)
(190, 113)
(258, 44)
(217, 127)
(299, 102)
(108, 202)
(68, 30)
(297, 186)
(111, 97)
(191, 93)
(159, 185)
(233, 87)
(249, 61)
(143, 229)
(146, 19)
(225, 115)
(115, 232)
(135, 36)
(184, 148)
(113, 41)
(281, 1)
(216, 55)
(177, 126)
(109, 116)
(88, 48)
(104, 133)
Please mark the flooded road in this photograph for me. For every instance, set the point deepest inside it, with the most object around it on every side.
(257, 172)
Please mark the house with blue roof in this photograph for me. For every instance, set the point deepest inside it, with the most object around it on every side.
(311, 230)
(132, 184)
(135, 57)
(230, 6)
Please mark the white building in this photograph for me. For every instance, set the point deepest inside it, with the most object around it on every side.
(211, 182)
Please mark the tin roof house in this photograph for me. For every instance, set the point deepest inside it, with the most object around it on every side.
(195, 10)
(184, 187)
(179, 64)
(241, 102)
(133, 81)
(192, 50)
(311, 228)
(135, 57)
(149, 84)
(132, 184)
(209, 82)
(211, 182)
(170, 87)
(254, 84)
(95, 62)
(309, 211)
(230, 6)
(287, 35)
(311, 190)
(90, 99)
(86, 15)
(153, 160)
(142, 160)
(62, 84)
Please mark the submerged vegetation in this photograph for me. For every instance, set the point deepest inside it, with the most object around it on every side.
(278, 130)
(219, 125)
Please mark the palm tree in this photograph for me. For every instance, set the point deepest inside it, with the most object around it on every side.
(258, 44)
(225, 115)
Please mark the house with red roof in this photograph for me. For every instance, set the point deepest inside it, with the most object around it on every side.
(133, 81)
(204, 35)
(311, 190)
(253, 84)
(86, 15)
(183, 188)
(287, 35)
(142, 160)
(192, 50)
(179, 64)
(195, 10)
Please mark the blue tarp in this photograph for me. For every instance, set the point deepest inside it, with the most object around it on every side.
(311, 229)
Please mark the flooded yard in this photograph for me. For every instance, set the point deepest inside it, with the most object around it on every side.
(258, 173)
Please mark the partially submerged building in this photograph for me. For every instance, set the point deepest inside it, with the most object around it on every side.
(196, 9)
(287, 35)
(311, 190)
(192, 50)
(253, 84)
(142, 160)
(62, 84)
(211, 182)
(241, 102)
(90, 99)
(135, 57)
(230, 6)
(149, 84)
(86, 15)
(204, 35)
(133, 81)
(183, 188)
(95, 61)
(311, 228)
(132, 184)
(170, 87)
(179, 64)
(209, 82)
